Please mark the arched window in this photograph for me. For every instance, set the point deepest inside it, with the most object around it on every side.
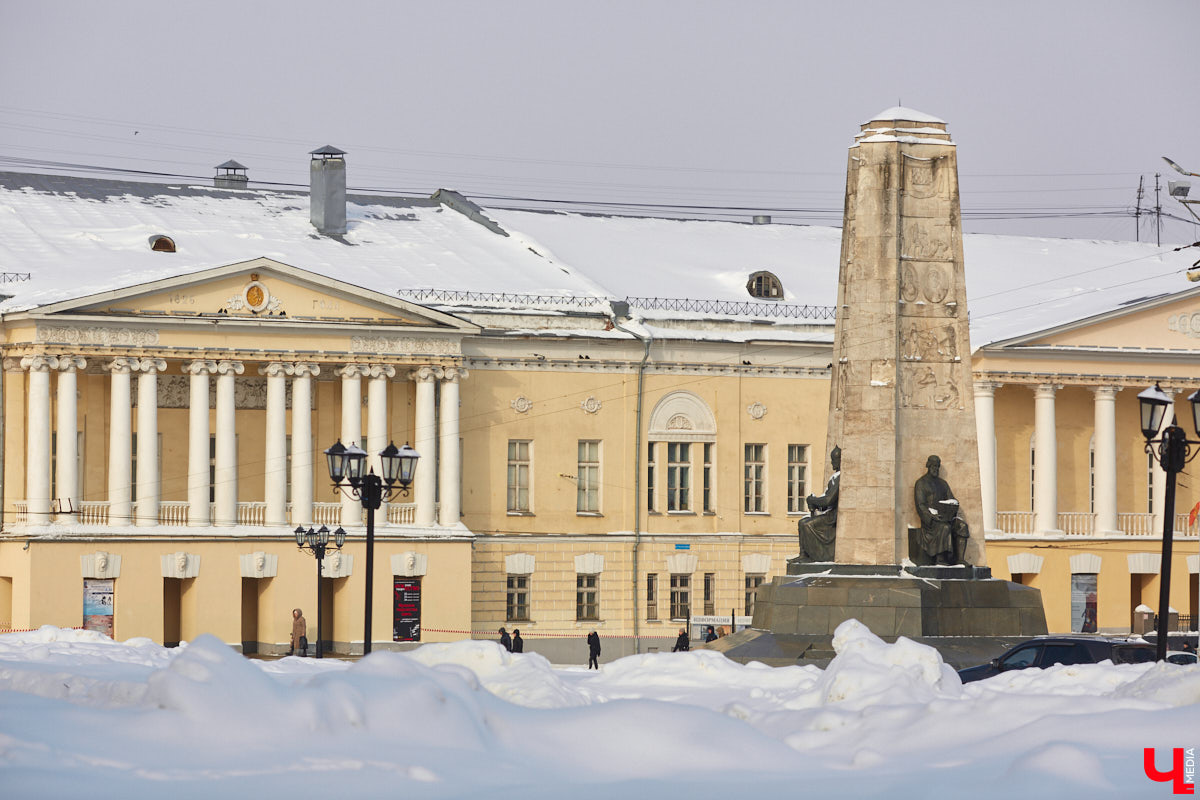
(764, 286)
(162, 244)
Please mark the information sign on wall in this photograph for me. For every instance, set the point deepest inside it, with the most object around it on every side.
(98, 605)
(406, 625)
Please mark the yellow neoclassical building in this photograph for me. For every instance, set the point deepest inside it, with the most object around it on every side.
(618, 419)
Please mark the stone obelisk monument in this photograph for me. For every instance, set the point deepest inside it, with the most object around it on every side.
(902, 387)
(901, 393)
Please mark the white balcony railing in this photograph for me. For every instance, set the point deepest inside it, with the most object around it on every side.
(1077, 523)
(1136, 523)
(1015, 521)
(173, 512)
(93, 513)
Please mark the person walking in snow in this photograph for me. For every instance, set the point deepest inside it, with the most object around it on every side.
(593, 643)
(682, 645)
(299, 633)
(505, 640)
(518, 644)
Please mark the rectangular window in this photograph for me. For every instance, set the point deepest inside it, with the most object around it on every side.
(651, 506)
(517, 605)
(797, 477)
(518, 476)
(1149, 483)
(587, 483)
(710, 580)
(679, 476)
(755, 479)
(212, 468)
(752, 584)
(681, 596)
(587, 603)
(652, 596)
(708, 479)
(1083, 602)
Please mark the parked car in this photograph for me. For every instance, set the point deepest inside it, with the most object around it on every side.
(1182, 657)
(1046, 651)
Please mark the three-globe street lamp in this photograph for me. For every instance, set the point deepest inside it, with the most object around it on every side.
(346, 464)
(316, 542)
(1172, 451)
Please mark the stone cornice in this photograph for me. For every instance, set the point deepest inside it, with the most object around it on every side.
(1069, 380)
(653, 368)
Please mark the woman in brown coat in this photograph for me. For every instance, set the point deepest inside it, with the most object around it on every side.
(299, 631)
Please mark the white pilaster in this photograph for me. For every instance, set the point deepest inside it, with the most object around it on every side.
(149, 482)
(449, 456)
(225, 488)
(199, 509)
(1045, 448)
(425, 442)
(67, 428)
(37, 438)
(1105, 444)
(275, 461)
(120, 441)
(352, 430)
(302, 444)
(1158, 480)
(985, 430)
(377, 419)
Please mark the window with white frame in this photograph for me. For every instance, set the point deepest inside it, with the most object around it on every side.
(754, 495)
(1149, 483)
(752, 584)
(587, 597)
(1092, 475)
(708, 501)
(710, 586)
(797, 479)
(651, 469)
(679, 476)
(1032, 475)
(681, 596)
(587, 478)
(652, 596)
(517, 599)
(519, 452)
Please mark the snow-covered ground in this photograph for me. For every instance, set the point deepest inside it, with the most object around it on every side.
(82, 716)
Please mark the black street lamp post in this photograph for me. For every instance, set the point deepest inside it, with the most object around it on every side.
(346, 464)
(317, 542)
(1172, 451)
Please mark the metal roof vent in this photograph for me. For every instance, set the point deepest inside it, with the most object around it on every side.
(230, 175)
(762, 219)
(327, 190)
(162, 244)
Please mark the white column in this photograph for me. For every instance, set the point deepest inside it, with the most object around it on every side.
(37, 454)
(120, 441)
(1045, 449)
(1158, 482)
(226, 478)
(377, 422)
(985, 430)
(449, 456)
(275, 461)
(352, 430)
(67, 428)
(149, 482)
(302, 445)
(425, 443)
(199, 510)
(1105, 469)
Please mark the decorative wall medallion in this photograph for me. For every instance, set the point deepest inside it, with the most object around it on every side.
(591, 405)
(522, 404)
(909, 285)
(679, 422)
(1185, 323)
(756, 410)
(937, 286)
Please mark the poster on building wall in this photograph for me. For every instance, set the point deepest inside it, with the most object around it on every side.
(406, 624)
(1083, 602)
(98, 605)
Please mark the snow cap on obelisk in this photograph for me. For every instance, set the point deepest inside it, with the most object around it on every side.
(901, 388)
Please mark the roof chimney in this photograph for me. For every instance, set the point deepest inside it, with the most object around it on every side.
(230, 175)
(327, 190)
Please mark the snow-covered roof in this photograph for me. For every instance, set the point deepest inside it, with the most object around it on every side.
(81, 236)
(907, 114)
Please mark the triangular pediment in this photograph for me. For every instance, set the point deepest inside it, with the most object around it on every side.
(256, 290)
(1166, 322)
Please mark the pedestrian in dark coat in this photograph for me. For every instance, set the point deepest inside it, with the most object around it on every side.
(299, 633)
(593, 641)
(505, 640)
(710, 635)
(682, 644)
(518, 644)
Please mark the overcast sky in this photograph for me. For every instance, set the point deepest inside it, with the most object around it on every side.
(1057, 106)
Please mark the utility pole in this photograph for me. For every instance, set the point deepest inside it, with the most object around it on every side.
(1137, 209)
(1157, 213)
